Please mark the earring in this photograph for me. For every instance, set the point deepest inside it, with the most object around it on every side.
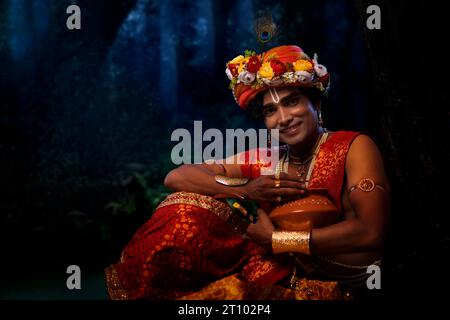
(320, 118)
(269, 140)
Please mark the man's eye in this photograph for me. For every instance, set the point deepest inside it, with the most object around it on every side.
(268, 111)
(293, 102)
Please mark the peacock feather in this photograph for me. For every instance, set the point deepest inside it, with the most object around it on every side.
(266, 29)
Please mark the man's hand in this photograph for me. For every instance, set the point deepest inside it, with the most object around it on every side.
(264, 188)
(261, 231)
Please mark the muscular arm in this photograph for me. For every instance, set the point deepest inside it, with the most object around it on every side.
(199, 178)
(366, 230)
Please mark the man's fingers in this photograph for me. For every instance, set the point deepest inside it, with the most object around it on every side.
(292, 184)
(287, 192)
(287, 183)
(289, 199)
(285, 176)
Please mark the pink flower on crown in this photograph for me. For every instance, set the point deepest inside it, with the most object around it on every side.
(246, 77)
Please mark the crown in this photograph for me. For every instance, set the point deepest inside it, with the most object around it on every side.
(281, 66)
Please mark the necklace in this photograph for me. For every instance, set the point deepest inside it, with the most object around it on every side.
(302, 168)
(304, 161)
(302, 165)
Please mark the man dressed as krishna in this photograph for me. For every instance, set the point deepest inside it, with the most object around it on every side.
(319, 221)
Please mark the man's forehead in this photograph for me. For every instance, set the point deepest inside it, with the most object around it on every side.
(273, 95)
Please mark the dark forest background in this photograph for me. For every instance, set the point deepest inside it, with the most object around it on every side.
(86, 118)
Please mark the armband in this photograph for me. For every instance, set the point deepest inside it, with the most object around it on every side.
(366, 185)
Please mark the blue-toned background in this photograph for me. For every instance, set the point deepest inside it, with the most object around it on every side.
(87, 114)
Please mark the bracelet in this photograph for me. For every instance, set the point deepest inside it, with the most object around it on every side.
(291, 241)
(231, 182)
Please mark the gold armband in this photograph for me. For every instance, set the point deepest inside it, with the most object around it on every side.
(366, 185)
(291, 241)
(231, 182)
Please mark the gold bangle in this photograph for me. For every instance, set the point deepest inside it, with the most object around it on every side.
(277, 183)
(291, 241)
(231, 182)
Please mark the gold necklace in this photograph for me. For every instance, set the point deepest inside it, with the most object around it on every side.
(304, 162)
(303, 159)
(302, 167)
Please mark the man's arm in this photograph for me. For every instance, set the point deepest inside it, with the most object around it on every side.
(366, 231)
(199, 178)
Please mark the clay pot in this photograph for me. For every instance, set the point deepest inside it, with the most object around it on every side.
(312, 211)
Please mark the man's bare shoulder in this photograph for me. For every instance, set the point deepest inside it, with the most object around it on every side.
(364, 159)
(363, 143)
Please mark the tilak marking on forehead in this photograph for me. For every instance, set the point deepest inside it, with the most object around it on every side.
(274, 94)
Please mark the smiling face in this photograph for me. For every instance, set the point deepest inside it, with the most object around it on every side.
(292, 112)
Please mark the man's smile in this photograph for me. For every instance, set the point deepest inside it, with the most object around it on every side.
(291, 130)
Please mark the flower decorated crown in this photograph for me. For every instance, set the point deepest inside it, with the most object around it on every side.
(281, 66)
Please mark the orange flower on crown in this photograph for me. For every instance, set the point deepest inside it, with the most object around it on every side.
(302, 65)
(266, 71)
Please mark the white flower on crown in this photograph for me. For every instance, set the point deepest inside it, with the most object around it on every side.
(274, 82)
(304, 76)
(289, 77)
(319, 69)
(228, 73)
(246, 77)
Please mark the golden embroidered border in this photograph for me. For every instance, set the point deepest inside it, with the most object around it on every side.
(323, 139)
(115, 289)
(220, 209)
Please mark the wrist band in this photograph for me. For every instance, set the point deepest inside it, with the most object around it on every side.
(291, 241)
(231, 182)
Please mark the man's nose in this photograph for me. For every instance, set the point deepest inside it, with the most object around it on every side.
(284, 117)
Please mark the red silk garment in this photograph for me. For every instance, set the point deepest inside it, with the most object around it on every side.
(192, 240)
(187, 244)
(328, 172)
(329, 167)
